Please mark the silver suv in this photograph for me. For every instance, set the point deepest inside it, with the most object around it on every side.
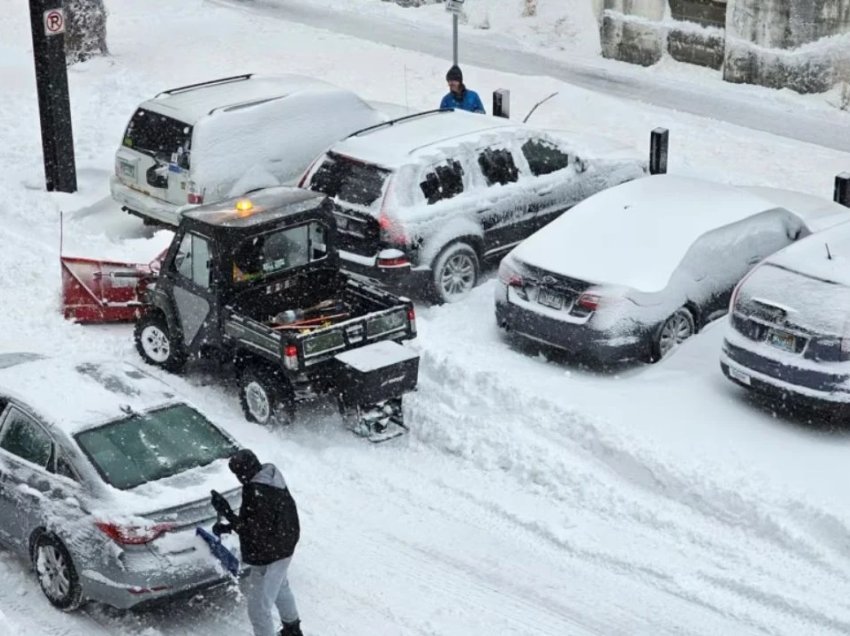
(422, 201)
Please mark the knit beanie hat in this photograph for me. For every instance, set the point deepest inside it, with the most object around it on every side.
(454, 74)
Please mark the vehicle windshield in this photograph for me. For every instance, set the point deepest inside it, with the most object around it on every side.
(349, 180)
(274, 252)
(157, 134)
(154, 445)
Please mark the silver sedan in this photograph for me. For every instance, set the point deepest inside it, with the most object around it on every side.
(104, 476)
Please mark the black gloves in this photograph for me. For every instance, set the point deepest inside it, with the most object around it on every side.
(220, 528)
(219, 503)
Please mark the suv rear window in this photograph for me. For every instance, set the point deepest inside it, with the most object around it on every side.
(151, 132)
(349, 180)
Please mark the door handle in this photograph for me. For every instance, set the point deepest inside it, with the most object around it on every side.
(545, 192)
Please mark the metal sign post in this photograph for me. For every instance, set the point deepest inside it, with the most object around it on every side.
(47, 18)
(455, 7)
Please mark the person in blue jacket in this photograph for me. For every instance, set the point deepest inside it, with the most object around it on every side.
(459, 96)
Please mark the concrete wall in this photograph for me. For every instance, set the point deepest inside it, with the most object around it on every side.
(793, 44)
(799, 44)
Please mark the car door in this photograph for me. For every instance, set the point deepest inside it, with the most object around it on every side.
(503, 207)
(551, 191)
(26, 451)
(191, 278)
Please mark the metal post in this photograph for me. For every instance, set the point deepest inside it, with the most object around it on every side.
(659, 141)
(502, 103)
(841, 194)
(454, 38)
(47, 19)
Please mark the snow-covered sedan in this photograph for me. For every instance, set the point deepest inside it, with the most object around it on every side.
(633, 271)
(422, 201)
(789, 332)
(104, 475)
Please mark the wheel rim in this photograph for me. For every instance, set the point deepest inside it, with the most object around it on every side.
(457, 276)
(674, 332)
(155, 343)
(258, 401)
(53, 572)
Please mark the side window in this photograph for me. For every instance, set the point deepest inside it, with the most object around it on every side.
(444, 182)
(193, 260)
(544, 157)
(498, 166)
(25, 439)
(64, 468)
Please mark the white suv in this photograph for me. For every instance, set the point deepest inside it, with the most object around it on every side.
(204, 142)
(421, 201)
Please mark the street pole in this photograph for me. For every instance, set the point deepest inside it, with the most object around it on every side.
(47, 19)
(454, 38)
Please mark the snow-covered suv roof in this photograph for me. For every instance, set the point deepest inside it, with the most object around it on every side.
(76, 393)
(397, 143)
(191, 103)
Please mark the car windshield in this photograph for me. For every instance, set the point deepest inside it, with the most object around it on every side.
(154, 445)
(158, 134)
(349, 180)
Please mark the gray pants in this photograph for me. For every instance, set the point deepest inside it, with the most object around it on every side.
(267, 586)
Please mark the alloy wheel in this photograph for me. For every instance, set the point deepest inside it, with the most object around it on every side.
(675, 330)
(458, 275)
(156, 344)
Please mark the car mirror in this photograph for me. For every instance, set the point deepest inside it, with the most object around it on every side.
(581, 164)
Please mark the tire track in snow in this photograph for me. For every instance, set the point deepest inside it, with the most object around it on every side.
(455, 425)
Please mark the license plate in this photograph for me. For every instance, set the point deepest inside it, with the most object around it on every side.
(782, 340)
(550, 298)
(739, 376)
(128, 170)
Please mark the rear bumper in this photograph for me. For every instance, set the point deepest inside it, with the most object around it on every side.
(143, 205)
(775, 378)
(580, 340)
(135, 577)
(398, 279)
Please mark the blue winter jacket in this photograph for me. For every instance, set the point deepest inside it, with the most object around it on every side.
(469, 100)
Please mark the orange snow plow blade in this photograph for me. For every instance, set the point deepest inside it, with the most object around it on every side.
(103, 291)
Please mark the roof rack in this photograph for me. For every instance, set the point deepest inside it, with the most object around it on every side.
(223, 80)
(249, 103)
(392, 122)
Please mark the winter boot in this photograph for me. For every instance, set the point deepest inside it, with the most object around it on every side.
(291, 629)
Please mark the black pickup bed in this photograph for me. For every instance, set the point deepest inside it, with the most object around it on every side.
(359, 314)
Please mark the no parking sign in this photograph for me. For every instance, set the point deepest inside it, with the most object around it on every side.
(54, 21)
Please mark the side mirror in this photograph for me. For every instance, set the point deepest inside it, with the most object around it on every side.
(581, 164)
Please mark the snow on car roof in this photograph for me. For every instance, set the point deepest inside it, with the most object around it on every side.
(636, 233)
(76, 393)
(191, 104)
(825, 255)
(394, 144)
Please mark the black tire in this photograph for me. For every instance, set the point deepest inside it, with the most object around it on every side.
(157, 345)
(56, 574)
(677, 328)
(454, 273)
(265, 395)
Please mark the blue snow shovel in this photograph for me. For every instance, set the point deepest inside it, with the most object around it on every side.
(227, 559)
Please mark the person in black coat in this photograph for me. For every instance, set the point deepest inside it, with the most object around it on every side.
(268, 529)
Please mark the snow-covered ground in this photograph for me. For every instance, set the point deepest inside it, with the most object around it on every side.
(530, 497)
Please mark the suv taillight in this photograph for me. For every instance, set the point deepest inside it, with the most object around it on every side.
(193, 195)
(133, 535)
(290, 357)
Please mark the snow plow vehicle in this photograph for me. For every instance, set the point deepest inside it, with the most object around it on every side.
(256, 283)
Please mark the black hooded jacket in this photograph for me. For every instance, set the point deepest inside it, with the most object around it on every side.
(267, 523)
